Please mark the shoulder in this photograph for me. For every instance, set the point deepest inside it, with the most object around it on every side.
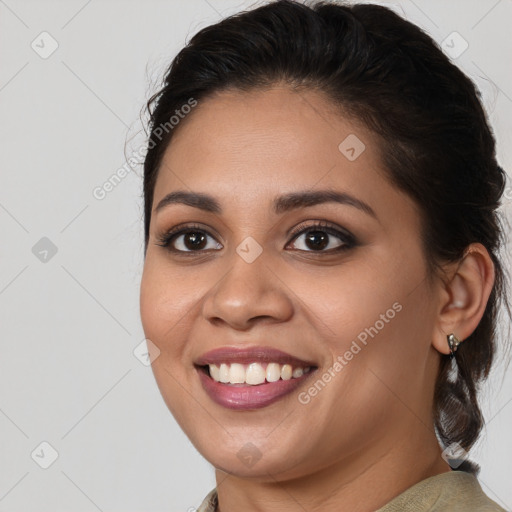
(454, 491)
(209, 504)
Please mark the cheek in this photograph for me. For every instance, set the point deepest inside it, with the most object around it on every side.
(346, 303)
(163, 309)
(151, 296)
(165, 297)
(162, 304)
(376, 314)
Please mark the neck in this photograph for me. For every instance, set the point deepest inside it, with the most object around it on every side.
(361, 484)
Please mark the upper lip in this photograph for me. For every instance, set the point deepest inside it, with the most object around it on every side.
(248, 355)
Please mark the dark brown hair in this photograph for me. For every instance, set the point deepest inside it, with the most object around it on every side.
(437, 145)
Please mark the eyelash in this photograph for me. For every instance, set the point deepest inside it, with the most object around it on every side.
(348, 239)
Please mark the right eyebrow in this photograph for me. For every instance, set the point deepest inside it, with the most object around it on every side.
(194, 199)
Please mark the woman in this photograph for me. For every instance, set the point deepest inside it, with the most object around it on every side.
(321, 276)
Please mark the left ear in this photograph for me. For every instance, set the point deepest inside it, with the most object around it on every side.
(463, 298)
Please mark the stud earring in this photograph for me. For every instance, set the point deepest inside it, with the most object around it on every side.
(453, 343)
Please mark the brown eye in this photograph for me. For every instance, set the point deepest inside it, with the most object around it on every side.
(194, 240)
(323, 238)
(316, 240)
(188, 239)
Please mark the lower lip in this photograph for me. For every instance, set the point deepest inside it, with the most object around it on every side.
(249, 397)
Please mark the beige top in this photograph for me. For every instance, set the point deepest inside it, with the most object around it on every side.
(453, 491)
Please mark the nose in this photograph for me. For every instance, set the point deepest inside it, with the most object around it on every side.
(246, 294)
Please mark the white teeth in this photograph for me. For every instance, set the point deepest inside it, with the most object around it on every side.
(286, 372)
(298, 372)
(254, 373)
(273, 372)
(224, 373)
(215, 372)
(236, 374)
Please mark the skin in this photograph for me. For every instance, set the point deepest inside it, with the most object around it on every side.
(368, 434)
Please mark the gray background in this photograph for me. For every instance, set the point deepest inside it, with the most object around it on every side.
(70, 320)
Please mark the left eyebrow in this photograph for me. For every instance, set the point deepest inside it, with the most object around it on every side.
(281, 204)
(304, 199)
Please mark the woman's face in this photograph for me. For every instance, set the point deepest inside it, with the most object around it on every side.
(349, 298)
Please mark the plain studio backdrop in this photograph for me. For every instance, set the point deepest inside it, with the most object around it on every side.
(82, 424)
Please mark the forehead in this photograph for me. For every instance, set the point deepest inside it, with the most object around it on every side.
(268, 142)
(251, 130)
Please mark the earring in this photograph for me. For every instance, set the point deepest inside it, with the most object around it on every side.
(453, 343)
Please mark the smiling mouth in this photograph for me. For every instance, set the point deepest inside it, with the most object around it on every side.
(244, 395)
